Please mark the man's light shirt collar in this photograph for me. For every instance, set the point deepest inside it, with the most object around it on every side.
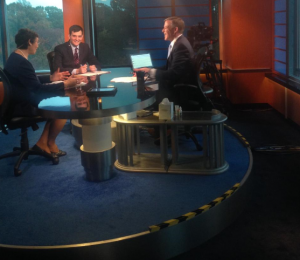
(174, 40)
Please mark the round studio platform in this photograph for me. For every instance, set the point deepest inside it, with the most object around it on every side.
(53, 212)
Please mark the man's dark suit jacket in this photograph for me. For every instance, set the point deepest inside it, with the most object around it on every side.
(65, 61)
(179, 69)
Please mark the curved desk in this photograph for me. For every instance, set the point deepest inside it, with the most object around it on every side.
(95, 116)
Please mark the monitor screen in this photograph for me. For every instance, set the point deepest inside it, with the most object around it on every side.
(141, 60)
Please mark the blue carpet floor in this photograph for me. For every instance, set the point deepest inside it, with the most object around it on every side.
(54, 204)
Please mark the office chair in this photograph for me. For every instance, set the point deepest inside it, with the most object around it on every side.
(50, 58)
(8, 122)
(193, 97)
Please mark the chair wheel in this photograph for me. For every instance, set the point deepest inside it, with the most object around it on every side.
(55, 160)
(17, 172)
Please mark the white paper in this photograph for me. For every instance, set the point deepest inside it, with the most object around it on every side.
(56, 82)
(88, 74)
(127, 79)
(124, 79)
(81, 84)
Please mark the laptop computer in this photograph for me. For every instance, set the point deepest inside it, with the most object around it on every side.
(141, 61)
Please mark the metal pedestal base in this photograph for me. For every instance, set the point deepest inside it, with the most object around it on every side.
(187, 164)
(77, 132)
(98, 165)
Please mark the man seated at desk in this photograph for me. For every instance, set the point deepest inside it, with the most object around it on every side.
(179, 67)
(74, 55)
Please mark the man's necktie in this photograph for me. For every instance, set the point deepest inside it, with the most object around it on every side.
(169, 50)
(76, 57)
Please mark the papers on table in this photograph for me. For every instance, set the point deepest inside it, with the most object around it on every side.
(89, 74)
(152, 87)
(124, 79)
(81, 84)
(128, 79)
(56, 82)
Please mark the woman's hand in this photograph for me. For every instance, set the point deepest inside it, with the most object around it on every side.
(59, 76)
(72, 81)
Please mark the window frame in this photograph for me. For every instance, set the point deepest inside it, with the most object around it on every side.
(5, 34)
(294, 39)
(292, 42)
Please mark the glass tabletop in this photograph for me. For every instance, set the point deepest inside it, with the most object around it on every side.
(116, 98)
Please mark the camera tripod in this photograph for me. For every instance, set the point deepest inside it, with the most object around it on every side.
(213, 74)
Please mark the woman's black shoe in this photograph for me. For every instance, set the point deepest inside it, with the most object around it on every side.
(59, 153)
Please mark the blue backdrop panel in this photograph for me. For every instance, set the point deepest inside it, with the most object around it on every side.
(192, 10)
(280, 55)
(151, 15)
(153, 44)
(159, 63)
(147, 3)
(280, 67)
(154, 12)
(191, 2)
(280, 17)
(190, 21)
(150, 33)
(151, 23)
(280, 30)
(280, 43)
(156, 54)
(280, 5)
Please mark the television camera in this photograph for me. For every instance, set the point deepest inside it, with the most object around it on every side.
(201, 36)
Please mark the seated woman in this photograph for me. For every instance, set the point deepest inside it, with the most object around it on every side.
(26, 85)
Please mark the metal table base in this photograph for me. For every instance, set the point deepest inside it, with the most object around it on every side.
(210, 161)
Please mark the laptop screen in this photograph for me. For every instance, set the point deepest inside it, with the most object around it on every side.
(141, 61)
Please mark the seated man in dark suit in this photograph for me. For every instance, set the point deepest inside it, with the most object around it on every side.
(73, 55)
(179, 67)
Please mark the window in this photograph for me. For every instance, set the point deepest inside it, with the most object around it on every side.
(43, 17)
(115, 32)
(287, 38)
(294, 39)
(2, 46)
(1, 50)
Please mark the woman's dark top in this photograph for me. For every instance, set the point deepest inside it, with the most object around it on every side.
(27, 88)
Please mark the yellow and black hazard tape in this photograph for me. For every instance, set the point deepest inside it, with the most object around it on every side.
(194, 213)
(239, 135)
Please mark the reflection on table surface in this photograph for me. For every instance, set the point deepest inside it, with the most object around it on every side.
(76, 99)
